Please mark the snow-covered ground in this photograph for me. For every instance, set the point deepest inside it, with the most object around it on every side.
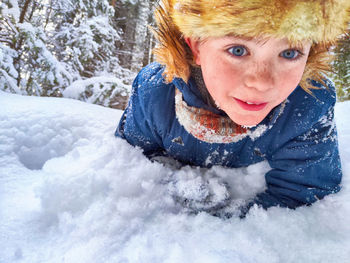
(72, 192)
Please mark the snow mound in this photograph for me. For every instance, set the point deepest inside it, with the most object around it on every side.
(72, 192)
(34, 145)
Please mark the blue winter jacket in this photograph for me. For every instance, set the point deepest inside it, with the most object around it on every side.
(300, 142)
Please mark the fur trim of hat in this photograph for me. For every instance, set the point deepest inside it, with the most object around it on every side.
(319, 21)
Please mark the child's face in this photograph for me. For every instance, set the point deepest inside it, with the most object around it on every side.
(247, 78)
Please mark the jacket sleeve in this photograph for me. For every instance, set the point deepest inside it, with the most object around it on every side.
(136, 124)
(305, 168)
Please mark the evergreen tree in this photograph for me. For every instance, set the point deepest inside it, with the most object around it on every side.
(48, 46)
(341, 67)
(85, 36)
(86, 40)
(27, 66)
(133, 17)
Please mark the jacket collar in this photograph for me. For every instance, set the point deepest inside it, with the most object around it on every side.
(192, 99)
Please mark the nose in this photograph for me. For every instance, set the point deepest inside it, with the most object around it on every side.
(260, 76)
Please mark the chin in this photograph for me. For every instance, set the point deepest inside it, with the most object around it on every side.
(247, 121)
(245, 117)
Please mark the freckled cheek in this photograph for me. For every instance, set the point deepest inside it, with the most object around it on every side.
(221, 84)
(288, 81)
(221, 78)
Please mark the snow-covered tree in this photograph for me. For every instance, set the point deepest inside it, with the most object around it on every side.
(27, 66)
(341, 67)
(133, 17)
(8, 73)
(85, 40)
(85, 36)
(48, 46)
(142, 35)
(9, 13)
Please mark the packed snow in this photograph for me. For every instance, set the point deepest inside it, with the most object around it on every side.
(72, 192)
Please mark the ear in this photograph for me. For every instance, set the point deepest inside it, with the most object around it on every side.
(194, 46)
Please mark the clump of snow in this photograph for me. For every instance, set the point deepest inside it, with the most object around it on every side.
(216, 190)
(96, 89)
(12, 11)
(72, 192)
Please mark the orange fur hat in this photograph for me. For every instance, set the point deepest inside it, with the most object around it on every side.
(319, 21)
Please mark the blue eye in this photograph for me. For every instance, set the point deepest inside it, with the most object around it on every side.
(238, 51)
(290, 54)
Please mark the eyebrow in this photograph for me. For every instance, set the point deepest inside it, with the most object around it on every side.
(258, 40)
(262, 40)
(298, 45)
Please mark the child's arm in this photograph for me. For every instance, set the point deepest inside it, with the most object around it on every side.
(305, 169)
(135, 125)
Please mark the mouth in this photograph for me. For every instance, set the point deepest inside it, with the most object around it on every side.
(251, 105)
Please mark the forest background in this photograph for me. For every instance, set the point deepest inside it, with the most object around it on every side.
(90, 50)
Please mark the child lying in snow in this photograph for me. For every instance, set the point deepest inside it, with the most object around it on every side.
(239, 82)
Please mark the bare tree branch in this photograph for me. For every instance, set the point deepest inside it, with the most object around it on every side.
(5, 40)
(24, 11)
(10, 26)
(48, 14)
(34, 7)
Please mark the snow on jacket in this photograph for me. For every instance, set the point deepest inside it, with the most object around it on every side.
(298, 138)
